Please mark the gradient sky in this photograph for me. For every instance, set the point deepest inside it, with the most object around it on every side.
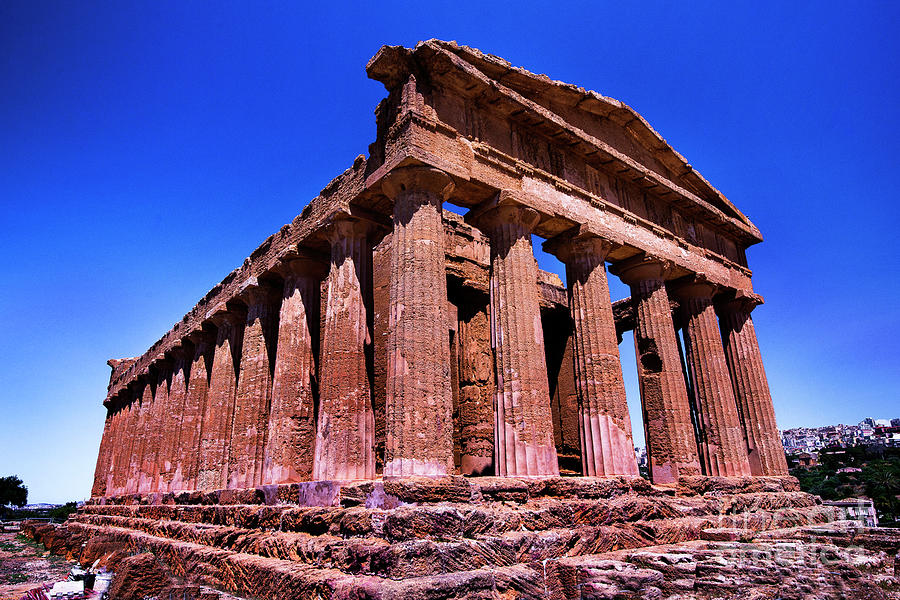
(146, 148)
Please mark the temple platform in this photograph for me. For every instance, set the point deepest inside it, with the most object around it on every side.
(558, 537)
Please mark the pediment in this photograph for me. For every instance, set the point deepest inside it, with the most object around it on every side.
(563, 112)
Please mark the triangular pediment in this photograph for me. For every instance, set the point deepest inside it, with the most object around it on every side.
(562, 111)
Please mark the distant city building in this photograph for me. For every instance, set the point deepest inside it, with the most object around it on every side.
(869, 431)
(856, 509)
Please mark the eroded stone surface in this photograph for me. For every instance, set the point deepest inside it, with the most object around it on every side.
(553, 538)
(244, 445)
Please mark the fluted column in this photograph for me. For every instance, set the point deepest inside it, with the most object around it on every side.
(345, 435)
(128, 429)
(607, 447)
(251, 407)
(419, 399)
(203, 343)
(103, 458)
(523, 421)
(671, 443)
(155, 426)
(751, 387)
(292, 424)
(114, 446)
(725, 447)
(137, 474)
(219, 410)
(171, 453)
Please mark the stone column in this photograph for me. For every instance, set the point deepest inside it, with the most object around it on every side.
(155, 426)
(292, 423)
(219, 410)
(725, 447)
(171, 453)
(251, 407)
(607, 447)
(114, 444)
(419, 399)
(137, 474)
(128, 428)
(751, 387)
(103, 459)
(523, 421)
(203, 343)
(671, 444)
(345, 436)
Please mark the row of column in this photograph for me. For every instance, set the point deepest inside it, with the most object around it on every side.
(233, 405)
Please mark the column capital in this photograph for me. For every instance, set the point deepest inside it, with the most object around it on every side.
(414, 178)
(222, 314)
(505, 208)
(741, 301)
(302, 263)
(641, 268)
(181, 350)
(200, 336)
(694, 286)
(160, 363)
(568, 247)
(254, 293)
(344, 226)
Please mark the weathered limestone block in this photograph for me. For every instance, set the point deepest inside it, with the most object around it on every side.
(115, 444)
(292, 423)
(671, 443)
(140, 432)
(251, 405)
(477, 390)
(345, 434)
(559, 350)
(171, 452)
(419, 400)
(153, 429)
(751, 387)
(218, 413)
(607, 447)
(203, 343)
(101, 469)
(722, 444)
(523, 422)
(125, 447)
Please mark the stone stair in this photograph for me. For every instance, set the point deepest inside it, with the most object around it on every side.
(447, 538)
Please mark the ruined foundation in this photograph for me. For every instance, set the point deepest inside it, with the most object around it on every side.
(380, 402)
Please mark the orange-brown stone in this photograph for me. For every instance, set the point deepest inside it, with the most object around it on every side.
(419, 400)
(251, 405)
(669, 432)
(218, 414)
(523, 427)
(292, 424)
(751, 387)
(345, 435)
(604, 425)
(722, 444)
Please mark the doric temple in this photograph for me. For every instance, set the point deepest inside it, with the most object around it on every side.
(379, 335)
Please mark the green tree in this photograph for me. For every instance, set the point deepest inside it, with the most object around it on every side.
(882, 481)
(13, 492)
(62, 513)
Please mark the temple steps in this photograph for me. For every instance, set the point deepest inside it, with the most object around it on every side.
(456, 521)
(424, 538)
(445, 537)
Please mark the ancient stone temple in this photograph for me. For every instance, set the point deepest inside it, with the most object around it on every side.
(381, 401)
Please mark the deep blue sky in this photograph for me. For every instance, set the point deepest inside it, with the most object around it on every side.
(147, 148)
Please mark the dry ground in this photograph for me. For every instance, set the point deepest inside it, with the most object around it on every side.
(25, 565)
